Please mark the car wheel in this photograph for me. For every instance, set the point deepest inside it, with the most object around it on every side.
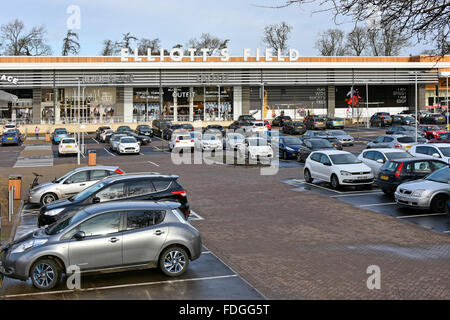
(334, 182)
(307, 176)
(285, 157)
(45, 274)
(48, 197)
(388, 192)
(439, 203)
(174, 261)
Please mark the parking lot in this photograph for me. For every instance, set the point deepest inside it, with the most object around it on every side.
(250, 222)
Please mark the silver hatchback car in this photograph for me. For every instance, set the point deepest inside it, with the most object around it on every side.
(113, 236)
(70, 184)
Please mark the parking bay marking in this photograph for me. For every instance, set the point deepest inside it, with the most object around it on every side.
(118, 286)
(378, 204)
(421, 215)
(151, 162)
(109, 152)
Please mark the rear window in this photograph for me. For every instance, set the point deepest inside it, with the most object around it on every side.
(397, 155)
(68, 141)
(9, 134)
(143, 219)
(184, 137)
(161, 185)
(390, 166)
(406, 140)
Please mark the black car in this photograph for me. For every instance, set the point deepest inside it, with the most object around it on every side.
(246, 118)
(310, 145)
(167, 132)
(139, 187)
(236, 125)
(214, 128)
(403, 120)
(294, 127)
(144, 130)
(380, 119)
(433, 118)
(99, 131)
(188, 127)
(395, 172)
(123, 129)
(315, 122)
(140, 138)
(280, 120)
(109, 135)
(159, 126)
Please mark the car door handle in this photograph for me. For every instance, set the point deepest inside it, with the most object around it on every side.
(113, 240)
(159, 232)
(82, 184)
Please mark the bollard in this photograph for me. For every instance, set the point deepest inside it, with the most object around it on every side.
(92, 158)
(16, 182)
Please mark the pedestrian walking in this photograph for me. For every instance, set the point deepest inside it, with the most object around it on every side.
(36, 130)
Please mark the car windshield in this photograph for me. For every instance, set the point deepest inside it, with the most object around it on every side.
(9, 134)
(9, 126)
(291, 140)
(321, 144)
(128, 140)
(66, 222)
(397, 155)
(68, 141)
(124, 128)
(344, 158)
(445, 151)
(406, 140)
(209, 137)
(257, 142)
(442, 175)
(337, 132)
(117, 138)
(61, 131)
(83, 195)
(144, 128)
(183, 138)
(63, 177)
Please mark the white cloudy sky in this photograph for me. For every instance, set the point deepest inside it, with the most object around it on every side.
(175, 21)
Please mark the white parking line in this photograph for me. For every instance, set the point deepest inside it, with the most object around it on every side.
(118, 286)
(155, 164)
(447, 231)
(325, 188)
(357, 194)
(422, 215)
(109, 152)
(95, 141)
(378, 204)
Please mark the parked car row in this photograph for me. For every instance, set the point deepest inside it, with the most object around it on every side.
(104, 219)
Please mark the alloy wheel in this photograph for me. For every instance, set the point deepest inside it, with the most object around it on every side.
(46, 199)
(174, 261)
(44, 275)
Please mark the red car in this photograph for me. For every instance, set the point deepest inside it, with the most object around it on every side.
(431, 131)
(444, 138)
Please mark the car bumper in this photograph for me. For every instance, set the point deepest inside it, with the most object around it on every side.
(355, 180)
(388, 186)
(68, 151)
(261, 156)
(412, 202)
(129, 151)
(34, 198)
(347, 142)
(214, 147)
(337, 124)
(14, 266)
(5, 142)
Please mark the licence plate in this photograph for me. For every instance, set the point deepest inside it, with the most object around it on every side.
(68, 147)
(361, 177)
(408, 147)
(184, 142)
(339, 122)
(384, 178)
(9, 138)
(319, 122)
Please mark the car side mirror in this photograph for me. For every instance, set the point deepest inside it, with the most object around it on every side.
(436, 155)
(380, 161)
(96, 200)
(80, 235)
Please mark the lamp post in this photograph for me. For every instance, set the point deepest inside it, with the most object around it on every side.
(415, 81)
(79, 109)
(446, 75)
(367, 104)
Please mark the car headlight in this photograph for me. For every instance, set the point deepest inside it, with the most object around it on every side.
(33, 243)
(345, 173)
(419, 193)
(54, 212)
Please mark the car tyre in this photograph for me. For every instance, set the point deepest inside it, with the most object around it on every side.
(307, 176)
(48, 198)
(45, 274)
(334, 182)
(439, 203)
(174, 261)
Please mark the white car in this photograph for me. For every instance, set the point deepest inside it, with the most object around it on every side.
(439, 151)
(128, 145)
(376, 158)
(233, 139)
(258, 127)
(68, 146)
(195, 135)
(181, 141)
(338, 168)
(254, 149)
(209, 142)
(9, 127)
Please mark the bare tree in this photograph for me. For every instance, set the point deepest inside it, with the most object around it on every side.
(386, 41)
(331, 43)
(425, 21)
(276, 36)
(207, 41)
(16, 41)
(357, 41)
(71, 44)
(126, 40)
(145, 44)
(110, 48)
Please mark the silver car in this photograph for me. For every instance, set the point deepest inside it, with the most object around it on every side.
(393, 141)
(114, 236)
(70, 184)
(343, 137)
(432, 192)
(115, 140)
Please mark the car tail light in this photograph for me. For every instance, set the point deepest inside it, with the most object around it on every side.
(399, 170)
(180, 192)
(397, 145)
(240, 127)
(119, 171)
(192, 140)
(177, 141)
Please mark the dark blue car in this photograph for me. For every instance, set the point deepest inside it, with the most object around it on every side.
(288, 147)
(10, 137)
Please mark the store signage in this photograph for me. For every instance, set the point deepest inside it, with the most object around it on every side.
(98, 79)
(212, 77)
(9, 79)
(177, 54)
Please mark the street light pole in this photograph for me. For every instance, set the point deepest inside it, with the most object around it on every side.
(367, 104)
(416, 102)
(79, 109)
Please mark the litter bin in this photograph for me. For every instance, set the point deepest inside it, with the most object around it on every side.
(92, 158)
(16, 182)
(47, 137)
